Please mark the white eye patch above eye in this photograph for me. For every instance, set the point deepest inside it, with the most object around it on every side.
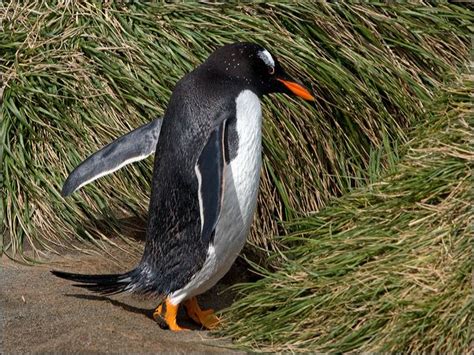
(267, 58)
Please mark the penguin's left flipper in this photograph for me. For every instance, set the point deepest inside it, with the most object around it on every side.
(210, 173)
(132, 147)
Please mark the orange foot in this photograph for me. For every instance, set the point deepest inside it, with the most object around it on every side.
(165, 314)
(205, 318)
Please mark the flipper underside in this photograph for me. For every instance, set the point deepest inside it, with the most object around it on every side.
(134, 146)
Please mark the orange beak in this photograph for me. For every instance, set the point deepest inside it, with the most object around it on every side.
(297, 89)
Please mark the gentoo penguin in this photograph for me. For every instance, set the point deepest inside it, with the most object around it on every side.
(205, 181)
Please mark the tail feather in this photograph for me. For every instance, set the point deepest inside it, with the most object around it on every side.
(104, 284)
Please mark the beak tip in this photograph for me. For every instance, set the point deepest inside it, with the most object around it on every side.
(298, 90)
(311, 98)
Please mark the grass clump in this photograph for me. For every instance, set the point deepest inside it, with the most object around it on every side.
(386, 267)
(76, 75)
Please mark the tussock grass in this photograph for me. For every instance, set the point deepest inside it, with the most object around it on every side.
(386, 267)
(76, 75)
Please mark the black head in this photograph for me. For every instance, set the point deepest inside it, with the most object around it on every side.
(255, 68)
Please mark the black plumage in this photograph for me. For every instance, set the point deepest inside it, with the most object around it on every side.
(201, 108)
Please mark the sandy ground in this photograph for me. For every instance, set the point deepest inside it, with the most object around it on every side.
(41, 313)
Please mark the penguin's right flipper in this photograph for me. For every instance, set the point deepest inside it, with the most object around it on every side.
(210, 175)
(132, 147)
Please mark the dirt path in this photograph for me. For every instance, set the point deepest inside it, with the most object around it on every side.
(41, 313)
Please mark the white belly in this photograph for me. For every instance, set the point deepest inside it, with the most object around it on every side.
(242, 178)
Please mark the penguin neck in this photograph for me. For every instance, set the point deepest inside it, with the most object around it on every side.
(248, 117)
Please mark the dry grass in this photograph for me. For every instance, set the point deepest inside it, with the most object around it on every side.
(384, 268)
(77, 75)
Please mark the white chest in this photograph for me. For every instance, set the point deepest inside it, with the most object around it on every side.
(241, 187)
(245, 168)
(242, 178)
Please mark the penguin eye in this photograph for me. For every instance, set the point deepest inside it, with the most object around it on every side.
(271, 70)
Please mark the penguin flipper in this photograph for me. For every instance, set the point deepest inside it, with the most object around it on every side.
(132, 147)
(210, 174)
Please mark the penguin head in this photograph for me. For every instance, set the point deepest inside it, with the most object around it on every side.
(253, 67)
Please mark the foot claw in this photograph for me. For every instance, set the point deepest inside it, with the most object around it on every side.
(159, 317)
(210, 321)
(176, 328)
